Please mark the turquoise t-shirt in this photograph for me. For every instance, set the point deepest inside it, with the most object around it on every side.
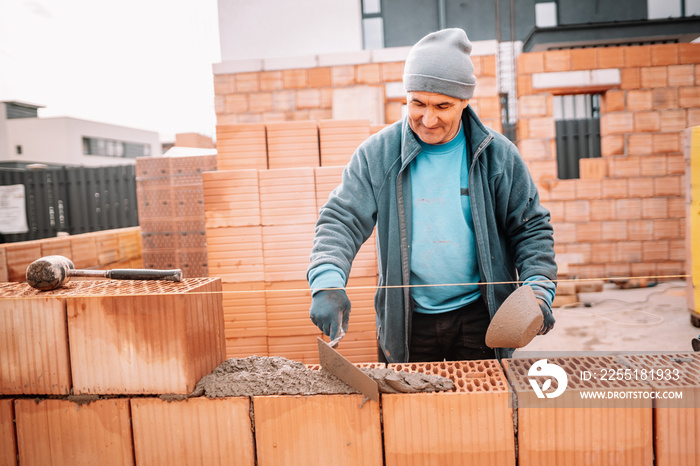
(443, 244)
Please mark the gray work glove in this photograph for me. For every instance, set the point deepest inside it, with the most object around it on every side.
(330, 311)
(548, 316)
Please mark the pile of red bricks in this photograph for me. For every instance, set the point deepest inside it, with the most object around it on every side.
(491, 417)
(260, 227)
(171, 212)
(107, 249)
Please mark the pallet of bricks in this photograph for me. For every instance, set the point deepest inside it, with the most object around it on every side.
(261, 206)
(171, 212)
(568, 285)
(109, 249)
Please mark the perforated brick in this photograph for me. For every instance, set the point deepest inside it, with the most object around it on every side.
(8, 437)
(448, 427)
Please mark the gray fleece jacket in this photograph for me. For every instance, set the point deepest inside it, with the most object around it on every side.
(513, 233)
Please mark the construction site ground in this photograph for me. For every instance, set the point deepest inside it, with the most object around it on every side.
(651, 319)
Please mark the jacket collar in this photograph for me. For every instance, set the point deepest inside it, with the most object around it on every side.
(475, 132)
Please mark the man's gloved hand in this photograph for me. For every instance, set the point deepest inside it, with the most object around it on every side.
(548, 322)
(330, 311)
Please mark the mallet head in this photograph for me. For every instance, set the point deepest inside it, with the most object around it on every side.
(49, 273)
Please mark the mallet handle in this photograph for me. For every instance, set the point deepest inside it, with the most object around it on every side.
(173, 275)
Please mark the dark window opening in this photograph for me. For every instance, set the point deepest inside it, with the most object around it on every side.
(577, 120)
(19, 150)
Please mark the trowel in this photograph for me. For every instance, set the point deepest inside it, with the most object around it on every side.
(336, 364)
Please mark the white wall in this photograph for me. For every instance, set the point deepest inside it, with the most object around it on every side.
(59, 140)
(258, 29)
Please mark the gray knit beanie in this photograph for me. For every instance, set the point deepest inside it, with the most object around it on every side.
(440, 63)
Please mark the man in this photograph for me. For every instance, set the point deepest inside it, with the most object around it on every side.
(457, 216)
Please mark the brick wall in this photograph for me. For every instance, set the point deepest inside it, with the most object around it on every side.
(626, 215)
(311, 93)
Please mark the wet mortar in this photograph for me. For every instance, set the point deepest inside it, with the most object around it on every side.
(275, 375)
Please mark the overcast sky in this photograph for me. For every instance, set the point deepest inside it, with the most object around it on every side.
(140, 63)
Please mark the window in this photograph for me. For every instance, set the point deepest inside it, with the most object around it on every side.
(114, 148)
(18, 149)
(577, 120)
(546, 15)
(372, 24)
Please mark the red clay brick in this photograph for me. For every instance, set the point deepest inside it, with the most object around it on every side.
(589, 232)
(681, 75)
(589, 188)
(531, 62)
(675, 164)
(689, 97)
(224, 84)
(236, 103)
(639, 100)
(630, 251)
(235, 253)
(655, 251)
(343, 75)
(630, 78)
(613, 101)
(193, 431)
(614, 188)
(308, 98)
(319, 77)
(610, 57)
(295, 79)
(640, 186)
(664, 54)
(392, 71)
(646, 122)
(689, 53)
(368, 74)
(287, 196)
(541, 127)
(524, 84)
(614, 231)
(667, 228)
(602, 253)
(8, 437)
(64, 432)
(624, 167)
(287, 430)
(564, 232)
(34, 354)
(557, 60)
(577, 211)
(602, 209)
(164, 350)
(260, 102)
(247, 82)
(534, 105)
(616, 123)
(637, 56)
(611, 144)
(563, 190)
(271, 81)
(665, 98)
(673, 120)
(584, 59)
(644, 269)
(666, 143)
(654, 165)
(416, 432)
(639, 144)
(693, 116)
(654, 76)
(677, 207)
(617, 270)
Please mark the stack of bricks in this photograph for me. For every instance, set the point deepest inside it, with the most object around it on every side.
(260, 227)
(625, 215)
(109, 249)
(481, 421)
(171, 212)
(75, 356)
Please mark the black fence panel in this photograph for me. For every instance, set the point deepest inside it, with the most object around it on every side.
(74, 199)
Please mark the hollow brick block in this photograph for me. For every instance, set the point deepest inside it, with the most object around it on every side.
(129, 337)
(196, 431)
(471, 425)
(244, 311)
(593, 168)
(287, 196)
(292, 144)
(231, 198)
(609, 57)
(338, 139)
(320, 429)
(286, 250)
(58, 432)
(4, 275)
(8, 437)
(235, 254)
(571, 430)
(241, 146)
(677, 421)
(19, 256)
(664, 54)
(34, 357)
